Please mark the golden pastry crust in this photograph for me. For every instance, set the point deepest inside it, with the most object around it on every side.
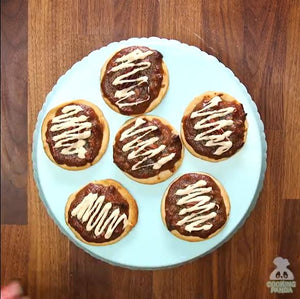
(154, 103)
(51, 114)
(194, 238)
(189, 109)
(165, 174)
(132, 216)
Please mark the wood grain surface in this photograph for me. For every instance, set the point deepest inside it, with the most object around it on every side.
(258, 40)
(14, 145)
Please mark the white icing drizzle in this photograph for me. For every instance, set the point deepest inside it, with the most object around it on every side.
(199, 195)
(127, 61)
(90, 207)
(220, 140)
(71, 141)
(137, 147)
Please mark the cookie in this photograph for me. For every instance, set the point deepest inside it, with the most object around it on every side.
(75, 135)
(195, 207)
(101, 213)
(214, 126)
(148, 149)
(134, 80)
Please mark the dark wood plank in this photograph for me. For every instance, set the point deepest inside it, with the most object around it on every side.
(290, 240)
(13, 112)
(193, 280)
(131, 283)
(265, 31)
(14, 254)
(95, 276)
(128, 14)
(292, 105)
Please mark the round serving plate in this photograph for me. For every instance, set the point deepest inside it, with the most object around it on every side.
(150, 245)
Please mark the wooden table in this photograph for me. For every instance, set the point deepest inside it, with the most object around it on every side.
(258, 40)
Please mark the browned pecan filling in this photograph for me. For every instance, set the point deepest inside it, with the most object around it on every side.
(98, 213)
(215, 128)
(133, 79)
(74, 135)
(194, 206)
(146, 147)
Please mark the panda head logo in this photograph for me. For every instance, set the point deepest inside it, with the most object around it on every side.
(281, 272)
